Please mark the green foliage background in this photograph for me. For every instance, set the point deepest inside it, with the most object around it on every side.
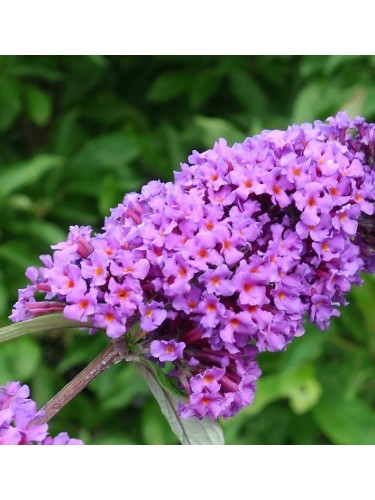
(76, 133)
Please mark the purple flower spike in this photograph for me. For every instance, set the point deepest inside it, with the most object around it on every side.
(228, 259)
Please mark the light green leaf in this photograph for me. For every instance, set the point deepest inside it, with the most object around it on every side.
(316, 99)
(26, 173)
(215, 128)
(39, 324)
(190, 431)
(23, 358)
(305, 395)
(38, 105)
(299, 385)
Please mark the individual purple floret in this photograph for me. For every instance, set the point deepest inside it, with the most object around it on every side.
(17, 416)
(230, 258)
(167, 351)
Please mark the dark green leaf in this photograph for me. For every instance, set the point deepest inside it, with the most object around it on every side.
(168, 86)
(345, 421)
(10, 103)
(107, 150)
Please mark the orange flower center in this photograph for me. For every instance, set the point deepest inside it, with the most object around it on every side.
(202, 253)
(182, 272)
(123, 294)
(311, 202)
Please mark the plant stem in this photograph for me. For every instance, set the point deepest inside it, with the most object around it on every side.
(116, 351)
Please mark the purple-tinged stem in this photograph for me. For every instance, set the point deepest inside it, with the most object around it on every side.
(116, 351)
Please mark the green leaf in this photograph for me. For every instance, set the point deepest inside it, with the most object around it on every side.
(345, 421)
(316, 99)
(248, 92)
(168, 86)
(10, 103)
(304, 349)
(354, 104)
(18, 253)
(38, 105)
(335, 62)
(190, 431)
(269, 389)
(299, 385)
(203, 86)
(155, 428)
(39, 324)
(99, 61)
(304, 395)
(107, 150)
(119, 387)
(165, 382)
(40, 230)
(24, 357)
(26, 173)
(109, 195)
(215, 128)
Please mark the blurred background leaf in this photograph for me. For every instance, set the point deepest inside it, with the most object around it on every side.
(77, 132)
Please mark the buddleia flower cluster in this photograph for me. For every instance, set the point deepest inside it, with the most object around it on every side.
(227, 260)
(18, 416)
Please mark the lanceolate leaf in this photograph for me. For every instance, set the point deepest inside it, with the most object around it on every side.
(40, 324)
(190, 431)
